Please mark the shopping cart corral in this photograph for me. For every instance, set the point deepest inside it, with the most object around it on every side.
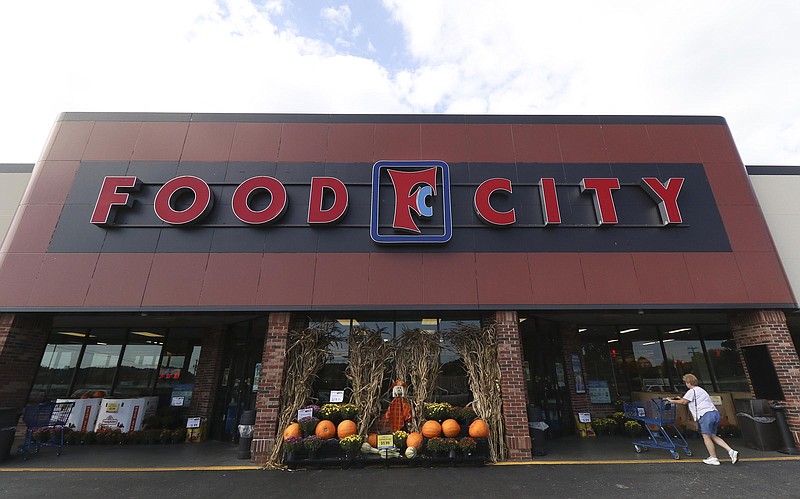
(658, 418)
(49, 417)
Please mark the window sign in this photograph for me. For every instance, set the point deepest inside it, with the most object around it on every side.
(578, 372)
(599, 392)
(256, 377)
(337, 396)
(561, 380)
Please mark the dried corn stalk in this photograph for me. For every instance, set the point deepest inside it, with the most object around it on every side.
(368, 356)
(478, 349)
(305, 356)
(417, 361)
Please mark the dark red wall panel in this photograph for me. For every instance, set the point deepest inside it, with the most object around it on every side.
(37, 273)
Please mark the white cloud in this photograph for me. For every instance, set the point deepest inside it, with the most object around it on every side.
(732, 58)
(737, 59)
(339, 17)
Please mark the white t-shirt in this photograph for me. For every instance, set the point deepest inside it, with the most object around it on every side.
(703, 402)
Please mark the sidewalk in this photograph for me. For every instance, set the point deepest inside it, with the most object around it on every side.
(213, 455)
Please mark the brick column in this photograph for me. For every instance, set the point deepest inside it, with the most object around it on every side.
(512, 386)
(22, 342)
(571, 345)
(268, 400)
(768, 327)
(208, 372)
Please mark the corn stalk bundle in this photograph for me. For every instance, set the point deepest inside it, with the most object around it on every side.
(417, 361)
(478, 350)
(305, 355)
(368, 356)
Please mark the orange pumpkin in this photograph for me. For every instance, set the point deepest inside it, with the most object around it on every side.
(98, 394)
(85, 396)
(325, 429)
(414, 440)
(346, 428)
(431, 429)
(372, 439)
(479, 429)
(293, 430)
(451, 428)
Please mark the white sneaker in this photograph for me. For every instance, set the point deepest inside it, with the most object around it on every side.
(734, 456)
(713, 461)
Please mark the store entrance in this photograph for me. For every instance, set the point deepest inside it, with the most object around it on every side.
(545, 374)
(238, 386)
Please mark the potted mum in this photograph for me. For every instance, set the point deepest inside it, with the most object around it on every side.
(351, 445)
(292, 447)
(312, 444)
(467, 445)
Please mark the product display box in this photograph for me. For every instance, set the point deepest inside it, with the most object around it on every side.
(84, 413)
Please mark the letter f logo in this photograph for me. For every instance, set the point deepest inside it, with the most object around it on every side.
(406, 201)
(418, 193)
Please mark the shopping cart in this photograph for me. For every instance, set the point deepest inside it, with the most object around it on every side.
(50, 417)
(658, 417)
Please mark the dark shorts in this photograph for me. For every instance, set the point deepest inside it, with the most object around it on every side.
(709, 422)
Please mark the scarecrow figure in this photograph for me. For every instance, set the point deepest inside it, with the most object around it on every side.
(399, 411)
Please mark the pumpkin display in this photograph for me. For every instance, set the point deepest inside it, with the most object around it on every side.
(479, 429)
(346, 428)
(98, 394)
(293, 430)
(372, 439)
(431, 429)
(325, 429)
(451, 428)
(414, 439)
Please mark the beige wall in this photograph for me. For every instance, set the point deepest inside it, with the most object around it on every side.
(13, 181)
(780, 202)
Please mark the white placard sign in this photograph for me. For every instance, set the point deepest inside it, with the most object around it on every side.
(304, 413)
(584, 417)
(193, 423)
(177, 401)
(337, 396)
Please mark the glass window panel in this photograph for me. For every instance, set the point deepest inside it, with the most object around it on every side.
(332, 375)
(138, 368)
(181, 353)
(57, 366)
(685, 355)
(602, 363)
(724, 358)
(99, 363)
(644, 361)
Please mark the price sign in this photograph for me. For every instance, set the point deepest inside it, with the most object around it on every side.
(304, 413)
(337, 396)
(193, 423)
(584, 417)
(177, 401)
(385, 442)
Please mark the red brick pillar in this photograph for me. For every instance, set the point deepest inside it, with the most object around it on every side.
(768, 327)
(208, 372)
(571, 345)
(268, 401)
(22, 342)
(512, 386)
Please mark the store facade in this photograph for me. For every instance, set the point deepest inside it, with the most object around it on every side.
(164, 254)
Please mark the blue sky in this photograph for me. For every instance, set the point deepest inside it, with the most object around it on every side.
(359, 28)
(732, 58)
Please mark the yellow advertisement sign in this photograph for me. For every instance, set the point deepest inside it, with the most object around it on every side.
(385, 442)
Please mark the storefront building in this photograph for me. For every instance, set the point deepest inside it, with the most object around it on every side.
(169, 255)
